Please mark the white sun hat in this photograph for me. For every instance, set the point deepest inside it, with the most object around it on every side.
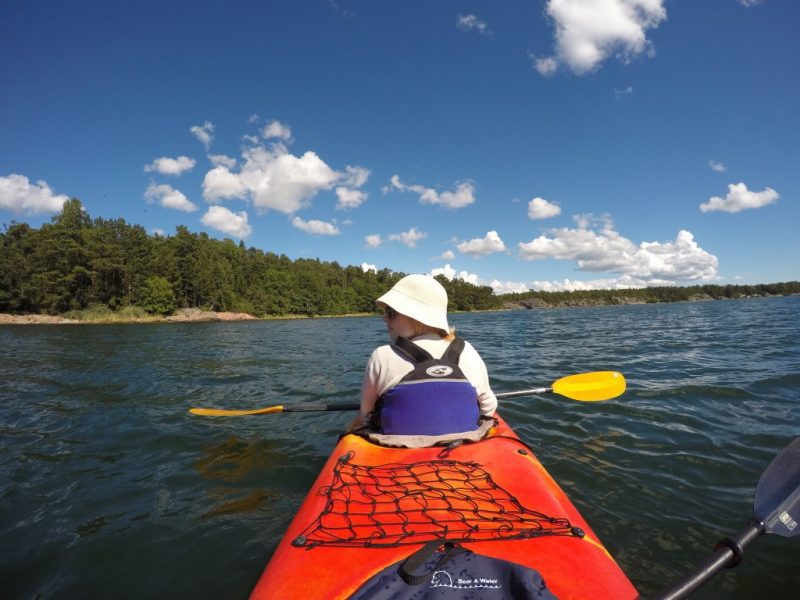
(420, 297)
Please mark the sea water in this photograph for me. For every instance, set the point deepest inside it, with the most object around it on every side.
(110, 488)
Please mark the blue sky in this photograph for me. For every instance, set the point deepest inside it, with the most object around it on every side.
(567, 144)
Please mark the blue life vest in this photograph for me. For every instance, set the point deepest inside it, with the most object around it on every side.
(435, 398)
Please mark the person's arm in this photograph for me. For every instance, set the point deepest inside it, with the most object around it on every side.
(479, 377)
(369, 393)
(486, 399)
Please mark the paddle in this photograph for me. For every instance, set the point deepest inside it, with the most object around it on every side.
(776, 509)
(585, 387)
(221, 412)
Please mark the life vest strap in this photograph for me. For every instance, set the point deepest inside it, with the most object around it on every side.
(418, 355)
(412, 351)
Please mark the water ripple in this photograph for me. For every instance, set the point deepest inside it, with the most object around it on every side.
(99, 458)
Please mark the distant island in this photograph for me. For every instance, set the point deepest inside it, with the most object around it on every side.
(648, 295)
(78, 269)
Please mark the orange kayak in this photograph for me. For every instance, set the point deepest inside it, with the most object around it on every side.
(491, 504)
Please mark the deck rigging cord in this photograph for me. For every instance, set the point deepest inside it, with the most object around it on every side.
(395, 504)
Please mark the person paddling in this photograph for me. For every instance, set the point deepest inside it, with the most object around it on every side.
(429, 381)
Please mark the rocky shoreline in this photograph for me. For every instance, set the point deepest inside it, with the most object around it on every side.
(184, 315)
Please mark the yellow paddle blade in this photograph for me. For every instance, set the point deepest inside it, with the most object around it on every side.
(590, 387)
(220, 412)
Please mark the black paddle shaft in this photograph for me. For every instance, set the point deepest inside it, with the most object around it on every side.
(309, 407)
(776, 509)
(727, 554)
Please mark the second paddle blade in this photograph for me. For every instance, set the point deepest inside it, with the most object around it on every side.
(590, 387)
(777, 501)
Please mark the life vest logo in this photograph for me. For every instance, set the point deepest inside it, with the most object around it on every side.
(439, 371)
(444, 579)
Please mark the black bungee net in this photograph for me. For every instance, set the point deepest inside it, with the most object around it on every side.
(395, 504)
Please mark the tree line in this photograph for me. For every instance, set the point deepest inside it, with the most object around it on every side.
(650, 294)
(75, 262)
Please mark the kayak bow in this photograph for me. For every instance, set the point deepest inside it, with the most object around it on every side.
(372, 507)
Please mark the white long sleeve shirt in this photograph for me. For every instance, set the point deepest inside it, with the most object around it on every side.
(386, 367)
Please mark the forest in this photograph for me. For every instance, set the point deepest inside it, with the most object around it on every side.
(76, 263)
(650, 295)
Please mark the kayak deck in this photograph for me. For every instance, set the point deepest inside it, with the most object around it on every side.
(373, 506)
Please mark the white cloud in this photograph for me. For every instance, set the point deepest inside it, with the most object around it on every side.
(717, 166)
(222, 160)
(226, 221)
(344, 13)
(373, 241)
(355, 177)
(204, 133)
(589, 31)
(488, 244)
(451, 274)
(749, 3)
(220, 184)
(276, 130)
(315, 227)
(568, 285)
(168, 197)
(607, 250)
(448, 255)
(508, 287)
(622, 92)
(618, 283)
(464, 194)
(20, 196)
(281, 181)
(588, 220)
(349, 198)
(274, 179)
(546, 66)
(348, 194)
(472, 23)
(366, 267)
(409, 238)
(539, 208)
(740, 198)
(171, 166)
